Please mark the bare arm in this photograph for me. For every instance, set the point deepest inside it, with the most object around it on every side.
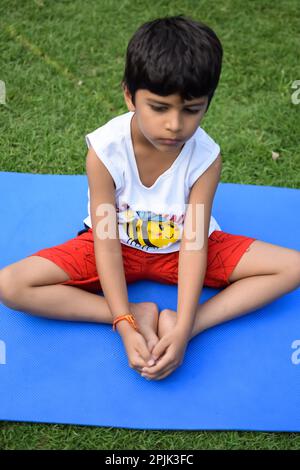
(192, 264)
(108, 252)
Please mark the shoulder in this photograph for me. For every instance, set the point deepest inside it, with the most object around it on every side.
(204, 142)
(108, 144)
(205, 152)
(112, 133)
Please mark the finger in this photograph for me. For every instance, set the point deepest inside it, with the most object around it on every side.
(151, 345)
(165, 374)
(145, 355)
(138, 361)
(159, 370)
(161, 365)
(139, 364)
(159, 348)
(161, 376)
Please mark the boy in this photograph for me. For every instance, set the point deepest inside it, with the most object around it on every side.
(151, 169)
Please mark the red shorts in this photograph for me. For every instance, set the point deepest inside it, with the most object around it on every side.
(76, 257)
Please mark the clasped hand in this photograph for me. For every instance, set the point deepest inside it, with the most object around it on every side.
(168, 353)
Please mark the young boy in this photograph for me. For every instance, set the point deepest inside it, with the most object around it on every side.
(151, 169)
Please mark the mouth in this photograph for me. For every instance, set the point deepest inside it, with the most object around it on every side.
(170, 141)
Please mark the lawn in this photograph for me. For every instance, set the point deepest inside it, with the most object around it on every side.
(62, 64)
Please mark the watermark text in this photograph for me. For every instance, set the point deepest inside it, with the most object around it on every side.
(2, 353)
(153, 228)
(295, 97)
(295, 358)
(2, 92)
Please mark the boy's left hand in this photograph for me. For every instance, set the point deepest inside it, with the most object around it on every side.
(170, 352)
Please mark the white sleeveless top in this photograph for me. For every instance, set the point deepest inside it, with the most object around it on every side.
(150, 218)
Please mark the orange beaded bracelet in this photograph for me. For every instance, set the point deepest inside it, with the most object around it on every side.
(129, 318)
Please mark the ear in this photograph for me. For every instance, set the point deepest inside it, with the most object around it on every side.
(128, 98)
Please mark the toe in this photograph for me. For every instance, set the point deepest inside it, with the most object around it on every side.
(152, 342)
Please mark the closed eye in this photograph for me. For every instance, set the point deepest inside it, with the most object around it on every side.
(161, 109)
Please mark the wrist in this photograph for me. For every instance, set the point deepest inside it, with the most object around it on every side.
(121, 323)
(123, 326)
(183, 331)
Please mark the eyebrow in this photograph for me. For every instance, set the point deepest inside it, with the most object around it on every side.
(168, 104)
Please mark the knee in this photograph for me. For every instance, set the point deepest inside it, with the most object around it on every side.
(9, 291)
(293, 266)
(298, 265)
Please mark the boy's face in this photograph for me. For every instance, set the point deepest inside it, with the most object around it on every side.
(165, 117)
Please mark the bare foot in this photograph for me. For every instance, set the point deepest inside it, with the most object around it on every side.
(146, 315)
(167, 320)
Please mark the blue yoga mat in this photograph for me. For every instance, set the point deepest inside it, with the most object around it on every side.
(241, 375)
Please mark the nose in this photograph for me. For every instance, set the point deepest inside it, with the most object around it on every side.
(174, 122)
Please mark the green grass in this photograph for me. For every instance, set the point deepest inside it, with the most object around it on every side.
(22, 436)
(62, 63)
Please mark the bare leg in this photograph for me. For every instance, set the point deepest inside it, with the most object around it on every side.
(70, 303)
(34, 285)
(239, 298)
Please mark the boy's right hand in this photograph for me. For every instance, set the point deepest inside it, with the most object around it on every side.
(136, 348)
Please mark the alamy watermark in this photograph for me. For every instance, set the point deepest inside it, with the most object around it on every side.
(295, 358)
(295, 97)
(2, 353)
(158, 228)
(2, 92)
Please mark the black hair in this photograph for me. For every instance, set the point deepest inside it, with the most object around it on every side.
(174, 54)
